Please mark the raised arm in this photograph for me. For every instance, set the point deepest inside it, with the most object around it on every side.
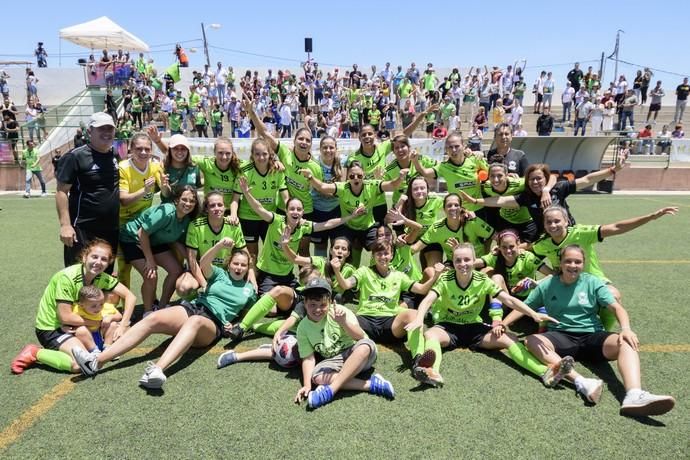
(328, 189)
(427, 173)
(624, 226)
(265, 215)
(409, 129)
(155, 136)
(597, 176)
(248, 106)
(492, 201)
(336, 222)
(206, 262)
(392, 185)
(289, 253)
(344, 284)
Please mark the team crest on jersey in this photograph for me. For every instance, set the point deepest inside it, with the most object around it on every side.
(247, 291)
(582, 298)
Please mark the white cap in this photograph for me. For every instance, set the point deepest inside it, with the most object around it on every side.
(99, 119)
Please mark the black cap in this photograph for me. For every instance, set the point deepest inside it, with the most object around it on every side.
(317, 284)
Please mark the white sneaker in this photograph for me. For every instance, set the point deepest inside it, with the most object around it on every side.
(44, 194)
(591, 389)
(153, 377)
(645, 403)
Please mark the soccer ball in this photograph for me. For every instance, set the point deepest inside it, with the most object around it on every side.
(285, 353)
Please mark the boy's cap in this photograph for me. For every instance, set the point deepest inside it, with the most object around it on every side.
(316, 284)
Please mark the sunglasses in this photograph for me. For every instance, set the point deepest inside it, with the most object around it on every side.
(356, 176)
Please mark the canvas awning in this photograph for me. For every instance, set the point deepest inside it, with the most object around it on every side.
(102, 33)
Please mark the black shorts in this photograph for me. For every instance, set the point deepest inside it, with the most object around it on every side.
(354, 235)
(465, 335)
(268, 281)
(540, 97)
(430, 128)
(52, 340)
(411, 299)
(654, 107)
(323, 216)
(433, 247)
(195, 309)
(253, 229)
(132, 251)
(583, 346)
(378, 328)
(380, 212)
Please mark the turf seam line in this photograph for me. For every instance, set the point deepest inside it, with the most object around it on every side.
(31, 415)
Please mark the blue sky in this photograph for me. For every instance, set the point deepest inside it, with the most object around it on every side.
(551, 35)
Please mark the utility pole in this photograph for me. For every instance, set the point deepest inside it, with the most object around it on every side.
(615, 52)
(203, 34)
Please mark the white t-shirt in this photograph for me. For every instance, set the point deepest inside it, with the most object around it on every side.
(567, 95)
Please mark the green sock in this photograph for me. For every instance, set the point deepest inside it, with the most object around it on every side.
(268, 328)
(608, 319)
(433, 344)
(415, 341)
(522, 357)
(258, 311)
(56, 359)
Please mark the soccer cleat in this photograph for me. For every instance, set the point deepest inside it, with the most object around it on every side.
(87, 362)
(153, 377)
(25, 358)
(27, 195)
(380, 386)
(226, 359)
(319, 397)
(555, 372)
(426, 359)
(428, 375)
(591, 389)
(236, 333)
(645, 404)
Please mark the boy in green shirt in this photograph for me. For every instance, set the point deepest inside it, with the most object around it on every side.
(332, 331)
(33, 168)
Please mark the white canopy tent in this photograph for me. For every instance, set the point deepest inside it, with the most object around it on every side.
(102, 33)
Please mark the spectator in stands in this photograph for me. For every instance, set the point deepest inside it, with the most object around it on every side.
(538, 91)
(440, 132)
(481, 122)
(609, 112)
(516, 114)
(575, 77)
(11, 128)
(627, 110)
(87, 197)
(4, 85)
(664, 142)
(8, 108)
(682, 91)
(646, 79)
(545, 123)
(678, 132)
(567, 101)
(31, 88)
(646, 144)
(549, 88)
(181, 56)
(597, 117)
(583, 112)
(515, 160)
(655, 104)
(637, 85)
(41, 55)
(520, 131)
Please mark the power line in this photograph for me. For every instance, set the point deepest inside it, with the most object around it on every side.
(255, 54)
(651, 68)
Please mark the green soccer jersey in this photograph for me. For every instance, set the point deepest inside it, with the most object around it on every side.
(474, 231)
(586, 236)
(460, 305)
(575, 306)
(371, 189)
(194, 100)
(380, 295)
(200, 236)
(30, 158)
(297, 184)
(404, 262)
(264, 188)
(179, 177)
(525, 266)
(216, 179)
(217, 117)
(175, 122)
(393, 171)
(463, 177)
(326, 337)
(64, 287)
(272, 258)
(371, 163)
(427, 213)
(515, 187)
(226, 297)
(160, 223)
(347, 271)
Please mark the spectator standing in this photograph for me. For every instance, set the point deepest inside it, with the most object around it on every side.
(87, 197)
(33, 168)
(41, 55)
(664, 142)
(567, 101)
(609, 112)
(575, 77)
(549, 88)
(545, 123)
(538, 91)
(678, 132)
(583, 112)
(646, 79)
(655, 104)
(597, 117)
(682, 91)
(221, 77)
(628, 108)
